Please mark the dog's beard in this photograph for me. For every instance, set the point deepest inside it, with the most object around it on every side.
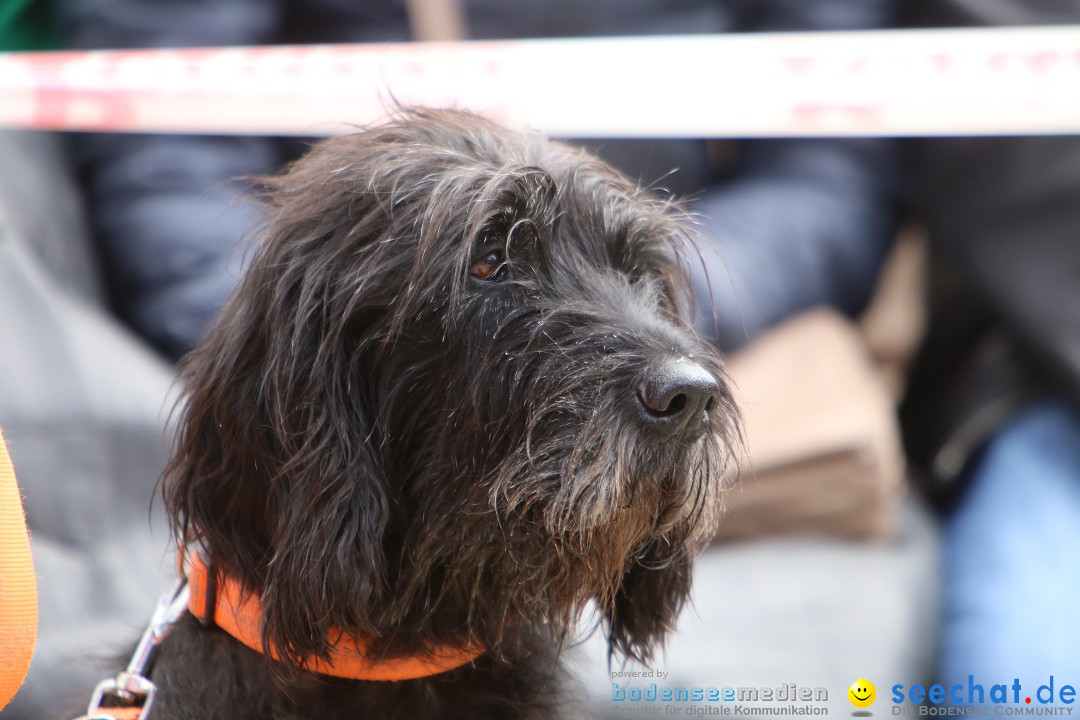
(597, 492)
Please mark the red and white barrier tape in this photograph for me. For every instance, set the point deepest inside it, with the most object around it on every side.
(1003, 81)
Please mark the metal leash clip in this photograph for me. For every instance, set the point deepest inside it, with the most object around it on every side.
(130, 695)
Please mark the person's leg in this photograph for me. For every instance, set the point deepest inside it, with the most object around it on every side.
(1012, 558)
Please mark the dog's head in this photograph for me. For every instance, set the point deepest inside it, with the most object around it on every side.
(454, 398)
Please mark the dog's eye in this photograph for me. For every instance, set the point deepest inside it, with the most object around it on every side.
(492, 266)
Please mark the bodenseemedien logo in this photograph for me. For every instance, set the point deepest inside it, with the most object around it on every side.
(658, 698)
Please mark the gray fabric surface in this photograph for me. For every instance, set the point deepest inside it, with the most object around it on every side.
(39, 206)
(83, 407)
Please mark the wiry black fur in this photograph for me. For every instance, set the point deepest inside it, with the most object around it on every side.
(375, 440)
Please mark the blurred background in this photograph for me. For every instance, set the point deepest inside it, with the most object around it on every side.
(901, 320)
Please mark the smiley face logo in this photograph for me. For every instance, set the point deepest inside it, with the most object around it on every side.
(862, 693)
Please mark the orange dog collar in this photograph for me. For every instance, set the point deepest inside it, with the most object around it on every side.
(239, 614)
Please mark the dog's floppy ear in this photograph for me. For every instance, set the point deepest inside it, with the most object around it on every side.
(648, 601)
(275, 469)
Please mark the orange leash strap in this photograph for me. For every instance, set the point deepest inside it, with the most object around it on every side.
(238, 613)
(18, 589)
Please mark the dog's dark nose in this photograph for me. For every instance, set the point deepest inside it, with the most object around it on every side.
(675, 398)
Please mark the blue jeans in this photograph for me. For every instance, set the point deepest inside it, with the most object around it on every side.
(1012, 558)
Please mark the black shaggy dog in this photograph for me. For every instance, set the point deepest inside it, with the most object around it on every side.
(452, 402)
